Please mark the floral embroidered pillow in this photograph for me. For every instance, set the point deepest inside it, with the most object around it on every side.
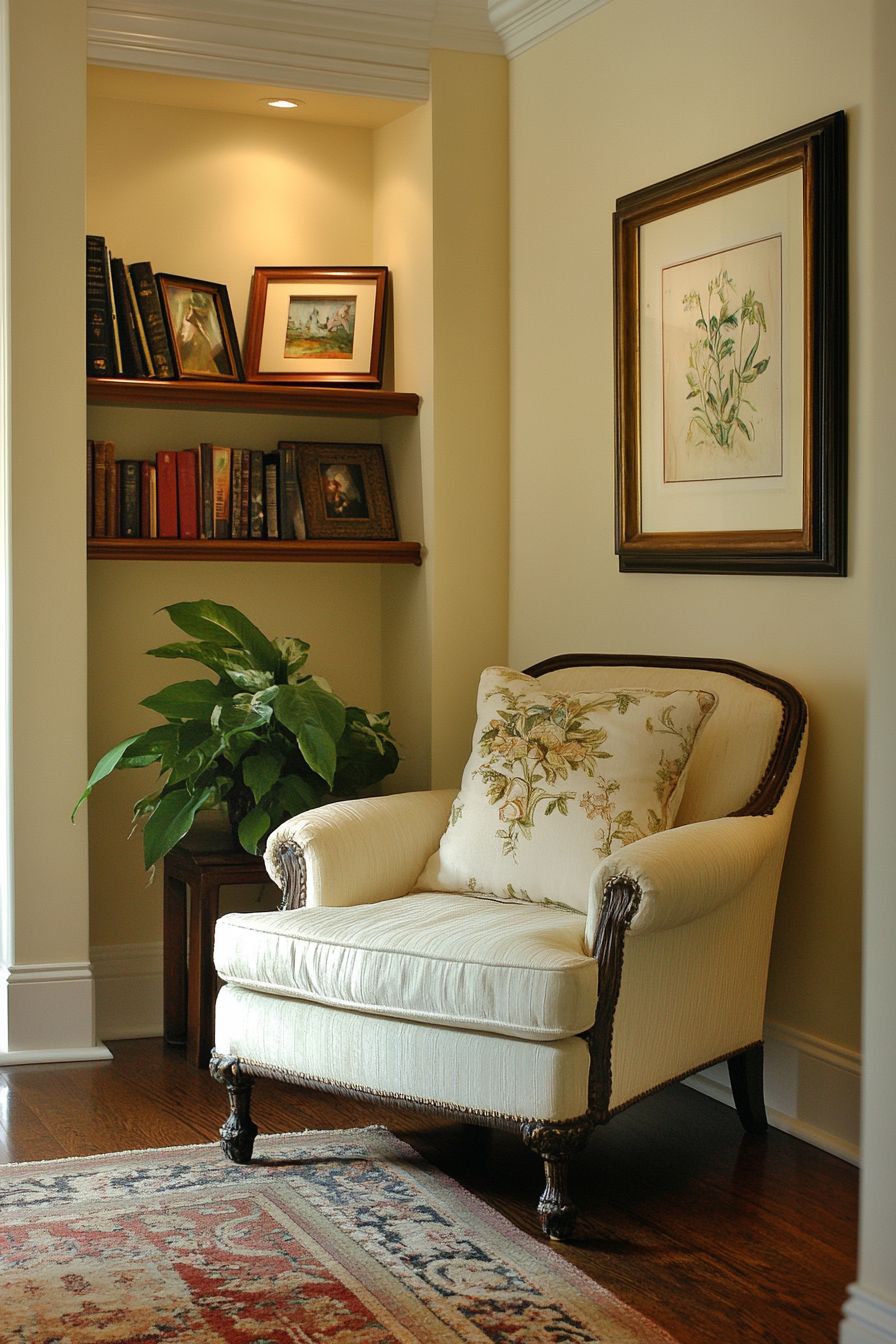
(557, 781)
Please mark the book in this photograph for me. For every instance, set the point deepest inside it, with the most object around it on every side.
(206, 491)
(131, 360)
(150, 308)
(221, 488)
(153, 504)
(166, 493)
(244, 494)
(256, 493)
(145, 357)
(99, 488)
(292, 517)
(129, 497)
(187, 494)
(271, 496)
(99, 335)
(113, 495)
(90, 487)
(236, 492)
(113, 316)
(147, 485)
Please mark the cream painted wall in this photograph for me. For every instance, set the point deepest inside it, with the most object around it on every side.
(47, 421)
(213, 195)
(470, 462)
(587, 126)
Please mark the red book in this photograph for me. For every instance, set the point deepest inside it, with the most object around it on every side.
(166, 490)
(187, 494)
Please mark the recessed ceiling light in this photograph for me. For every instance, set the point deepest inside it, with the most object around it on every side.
(281, 102)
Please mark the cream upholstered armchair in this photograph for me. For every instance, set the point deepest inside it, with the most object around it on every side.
(587, 920)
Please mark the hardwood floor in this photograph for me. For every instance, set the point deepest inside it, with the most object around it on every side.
(719, 1237)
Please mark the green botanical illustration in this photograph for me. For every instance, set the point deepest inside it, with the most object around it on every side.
(723, 362)
(530, 748)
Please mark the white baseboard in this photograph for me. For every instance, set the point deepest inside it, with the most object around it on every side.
(867, 1319)
(812, 1089)
(128, 978)
(48, 1013)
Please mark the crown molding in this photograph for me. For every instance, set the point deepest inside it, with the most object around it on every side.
(373, 47)
(522, 24)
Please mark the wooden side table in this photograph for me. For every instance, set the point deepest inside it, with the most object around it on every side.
(190, 982)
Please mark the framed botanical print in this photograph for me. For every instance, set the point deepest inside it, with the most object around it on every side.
(731, 373)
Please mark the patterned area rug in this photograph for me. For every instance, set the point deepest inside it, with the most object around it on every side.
(344, 1237)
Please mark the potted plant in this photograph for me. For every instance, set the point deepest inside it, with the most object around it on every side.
(266, 739)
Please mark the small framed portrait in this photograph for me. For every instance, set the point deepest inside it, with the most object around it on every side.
(318, 326)
(345, 491)
(200, 328)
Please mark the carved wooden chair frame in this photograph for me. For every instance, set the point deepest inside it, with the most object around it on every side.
(556, 1142)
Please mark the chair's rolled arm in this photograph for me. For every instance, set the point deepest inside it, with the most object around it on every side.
(686, 872)
(356, 852)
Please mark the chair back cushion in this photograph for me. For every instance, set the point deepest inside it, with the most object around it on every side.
(559, 777)
(733, 752)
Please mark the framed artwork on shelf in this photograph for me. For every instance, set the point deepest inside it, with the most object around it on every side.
(200, 328)
(345, 491)
(730, 300)
(317, 325)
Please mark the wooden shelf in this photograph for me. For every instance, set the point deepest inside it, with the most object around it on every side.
(187, 395)
(327, 552)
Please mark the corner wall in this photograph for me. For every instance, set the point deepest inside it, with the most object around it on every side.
(49, 990)
(613, 103)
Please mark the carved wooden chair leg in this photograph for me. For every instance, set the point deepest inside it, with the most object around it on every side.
(238, 1131)
(745, 1072)
(555, 1145)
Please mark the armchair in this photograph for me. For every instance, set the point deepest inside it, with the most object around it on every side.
(546, 1008)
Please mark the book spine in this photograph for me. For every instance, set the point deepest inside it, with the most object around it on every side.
(150, 307)
(221, 486)
(271, 496)
(286, 493)
(187, 495)
(292, 516)
(236, 491)
(146, 486)
(110, 489)
(206, 491)
(244, 493)
(166, 492)
(99, 489)
(131, 364)
(129, 497)
(142, 342)
(113, 316)
(99, 335)
(256, 493)
(113, 495)
(90, 487)
(153, 502)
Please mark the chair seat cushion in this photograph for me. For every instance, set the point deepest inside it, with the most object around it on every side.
(429, 957)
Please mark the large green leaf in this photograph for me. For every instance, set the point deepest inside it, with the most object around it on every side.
(185, 700)
(172, 818)
(260, 771)
(253, 828)
(317, 719)
(156, 744)
(104, 766)
(207, 620)
(294, 653)
(220, 660)
(291, 795)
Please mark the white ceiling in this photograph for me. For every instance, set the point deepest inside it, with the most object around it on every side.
(377, 48)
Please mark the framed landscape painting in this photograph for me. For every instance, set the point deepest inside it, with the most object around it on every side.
(731, 387)
(317, 326)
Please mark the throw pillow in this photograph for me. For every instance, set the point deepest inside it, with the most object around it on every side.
(557, 781)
